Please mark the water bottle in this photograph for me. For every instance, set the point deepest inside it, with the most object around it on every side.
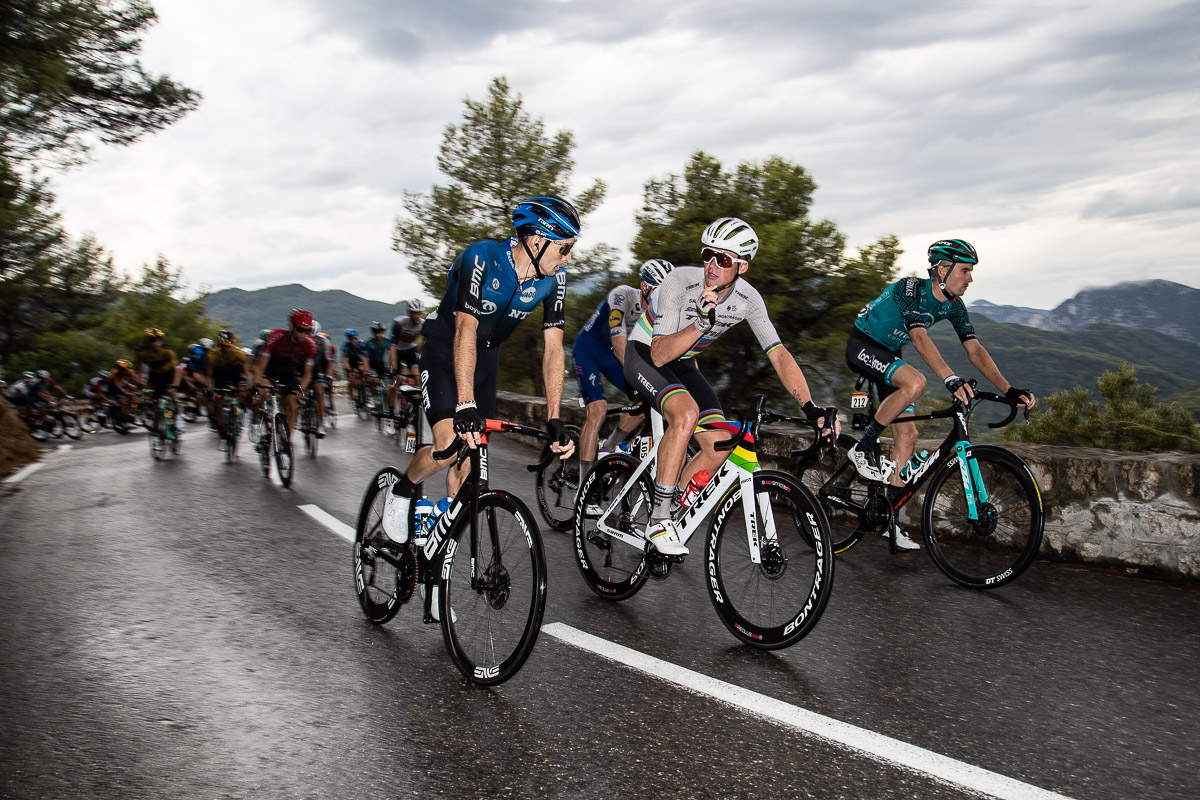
(442, 507)
(698, 482)
(622, 447)
(422, 519)
(914, 464)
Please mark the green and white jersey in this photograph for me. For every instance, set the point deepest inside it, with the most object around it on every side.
(906, 304)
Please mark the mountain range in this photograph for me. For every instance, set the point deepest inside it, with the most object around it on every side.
(1153, 325)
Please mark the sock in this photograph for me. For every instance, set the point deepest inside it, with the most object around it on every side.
(404, 487)
(870, 436)
(663, 495)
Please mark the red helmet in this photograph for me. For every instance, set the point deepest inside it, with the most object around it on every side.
(301, 318)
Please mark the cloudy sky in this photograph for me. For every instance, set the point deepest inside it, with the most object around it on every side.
(1059, 137)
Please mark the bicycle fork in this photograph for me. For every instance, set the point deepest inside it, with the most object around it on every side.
(973, 488)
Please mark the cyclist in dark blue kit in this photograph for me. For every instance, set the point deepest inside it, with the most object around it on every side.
(492, 286)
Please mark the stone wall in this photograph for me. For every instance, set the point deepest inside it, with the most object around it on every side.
(1136, 511)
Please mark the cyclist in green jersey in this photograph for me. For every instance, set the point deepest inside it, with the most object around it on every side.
(900, 315)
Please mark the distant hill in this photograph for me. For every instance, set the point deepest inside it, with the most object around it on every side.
(1050, 361)
(1163, 306)
(250, 312)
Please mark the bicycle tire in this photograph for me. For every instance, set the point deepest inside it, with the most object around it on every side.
(308, 423)
(775, 603)
(842, 492)
(284, 464)
(555, 488)
(231, 432)
(90, 422)
(360, 402)
(611, 568)
(158, 436)
(493, 619)
(264, 447)
(998, 547)
(190, 409)
(385, 574)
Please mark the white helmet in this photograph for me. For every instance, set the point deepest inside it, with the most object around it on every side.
(316, 328)
(655, 270)
(416, 306)
(732, 234)
(206, 343)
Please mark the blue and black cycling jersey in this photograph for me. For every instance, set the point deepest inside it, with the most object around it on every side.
(353, 352)
(483, 283)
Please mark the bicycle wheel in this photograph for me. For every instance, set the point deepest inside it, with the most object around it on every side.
(308, 423)
(496, 590)
(361, 407)
(231, 431)
(556, 483)
(776, 602)
(612, 568)
(843, 494)
(70, 425)
(190, 409)
(283, 450)
(91, 422)
(994, 549)
(158, 436)
(385, 574)
(264, 448)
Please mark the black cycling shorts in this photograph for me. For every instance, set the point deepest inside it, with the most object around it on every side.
(656, 384)
(439, 388)
(867, 357)
(408, 358)
(284, 370)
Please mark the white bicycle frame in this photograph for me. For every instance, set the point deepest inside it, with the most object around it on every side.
(705, 502)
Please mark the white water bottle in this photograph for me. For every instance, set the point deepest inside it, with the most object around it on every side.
(422, 519)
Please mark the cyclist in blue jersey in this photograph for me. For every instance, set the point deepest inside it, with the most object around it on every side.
(599, 349)
(902, 314)
(490, 288)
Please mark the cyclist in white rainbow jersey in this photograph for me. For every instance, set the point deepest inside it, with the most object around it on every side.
(689, 310)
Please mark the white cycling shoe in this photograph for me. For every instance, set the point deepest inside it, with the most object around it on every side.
(434, 611)
(864, 467)
(664, 537)
(903, 542)
(395, 516)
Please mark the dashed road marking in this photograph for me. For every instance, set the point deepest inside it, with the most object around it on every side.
(873, 745)
(329, 521)
(24, 472)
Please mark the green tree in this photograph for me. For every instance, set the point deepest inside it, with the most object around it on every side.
(47, 281)
(1128, 416)
(70, 76)
(497, 156)
(812, 289)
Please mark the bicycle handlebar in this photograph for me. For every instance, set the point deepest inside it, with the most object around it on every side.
(491, 426)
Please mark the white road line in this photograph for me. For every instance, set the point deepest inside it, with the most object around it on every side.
(329, 521)
(24, 472)
(872, 744)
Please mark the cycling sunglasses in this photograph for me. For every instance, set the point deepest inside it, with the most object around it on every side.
(724, 260)
(564, 247)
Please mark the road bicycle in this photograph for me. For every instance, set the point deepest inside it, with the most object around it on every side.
(360, 397)
(491, 597)
(230, 423)
(330, 408)
(53, 421)
(982, 518)
(273, 441)
(165, 435)
(768, 561)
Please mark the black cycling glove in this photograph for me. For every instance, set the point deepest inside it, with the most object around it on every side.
(813, 411)
(467, 419)
(1014, 395)
(558, 432)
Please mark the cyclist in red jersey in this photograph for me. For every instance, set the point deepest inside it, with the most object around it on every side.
(287, 358)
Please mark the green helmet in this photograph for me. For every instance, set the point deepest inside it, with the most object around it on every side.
(264, 333)
(953, 250)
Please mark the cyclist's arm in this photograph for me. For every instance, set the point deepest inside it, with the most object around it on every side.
(465, 331)
(790, 374)
(618, 345)
(553, 364)
(982, 359)
(665, 348)
(929, 352)
(306, 378)
(258, 369)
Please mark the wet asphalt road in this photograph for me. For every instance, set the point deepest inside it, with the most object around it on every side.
(183, 630)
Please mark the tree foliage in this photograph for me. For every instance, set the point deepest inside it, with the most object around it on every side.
(497, 156)
(70, 76)
(1127, 417)
(812, 289)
